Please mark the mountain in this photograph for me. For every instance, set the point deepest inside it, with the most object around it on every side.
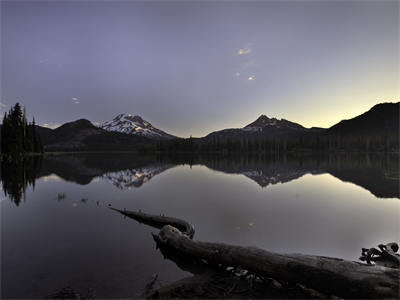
(382, 119)
(264, 126)
(83, 135)
(135, 125)
(265, 123)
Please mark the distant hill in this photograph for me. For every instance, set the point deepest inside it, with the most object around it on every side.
(82, 135)
(135, 125)
(381, 119)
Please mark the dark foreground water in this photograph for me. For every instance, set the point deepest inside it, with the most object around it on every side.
(61, 233)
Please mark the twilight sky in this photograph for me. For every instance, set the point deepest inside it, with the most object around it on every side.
(195, 67)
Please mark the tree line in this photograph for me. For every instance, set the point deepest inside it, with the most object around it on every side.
(17, 135)
(257, 143)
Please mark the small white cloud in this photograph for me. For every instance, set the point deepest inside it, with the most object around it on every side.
(3, 105)
(237, 74)
(96, 124)
(76, 100)
(42, 61)
(251, 78)
(245, 50)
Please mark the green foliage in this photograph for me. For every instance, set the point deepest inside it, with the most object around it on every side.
(17, 135)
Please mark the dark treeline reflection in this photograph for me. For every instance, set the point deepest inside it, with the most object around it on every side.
(378, 173)
(17, 174)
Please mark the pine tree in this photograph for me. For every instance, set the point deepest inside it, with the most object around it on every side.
(17, 136)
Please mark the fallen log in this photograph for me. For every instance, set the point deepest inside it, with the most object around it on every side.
(217, 281)
(327, 275)
(158, 221)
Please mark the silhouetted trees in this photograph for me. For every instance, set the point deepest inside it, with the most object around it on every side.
(17, 135)
(17, 174)
(259, 143)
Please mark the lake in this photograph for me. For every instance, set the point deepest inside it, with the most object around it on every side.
(57, 229)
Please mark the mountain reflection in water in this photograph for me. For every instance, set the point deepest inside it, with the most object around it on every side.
(379, 174)
(64, 233)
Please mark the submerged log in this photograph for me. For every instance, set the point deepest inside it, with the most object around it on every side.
(327, 275)
(158, 221)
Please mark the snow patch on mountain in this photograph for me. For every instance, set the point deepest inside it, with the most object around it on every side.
(129, 124)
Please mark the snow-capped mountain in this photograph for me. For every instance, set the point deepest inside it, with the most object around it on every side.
(264, 122)
(129, 124)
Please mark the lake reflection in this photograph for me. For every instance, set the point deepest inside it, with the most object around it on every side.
(328, 206)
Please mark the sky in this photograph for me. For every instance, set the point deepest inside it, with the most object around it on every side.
(191, 68)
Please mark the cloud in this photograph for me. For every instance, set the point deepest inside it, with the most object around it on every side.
(51, 125)
(252, 77)
(237, 74)
(3, 105)
(42, 61)
(245, 50)
(76, 100)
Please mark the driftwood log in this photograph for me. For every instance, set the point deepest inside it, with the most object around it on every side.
(159, 221)
(331, 276)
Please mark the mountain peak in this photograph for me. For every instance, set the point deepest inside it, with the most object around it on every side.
(264, 122)
(263, 118)
(134, 124)
(79, 124)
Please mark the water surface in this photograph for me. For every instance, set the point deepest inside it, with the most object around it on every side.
(329, 206)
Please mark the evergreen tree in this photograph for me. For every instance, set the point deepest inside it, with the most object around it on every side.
(17, 136)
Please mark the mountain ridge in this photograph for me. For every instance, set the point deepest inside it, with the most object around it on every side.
(380, 118)
(84, 135)
(375, 130)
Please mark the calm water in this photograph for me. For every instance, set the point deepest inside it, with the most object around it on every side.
(329, 206)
